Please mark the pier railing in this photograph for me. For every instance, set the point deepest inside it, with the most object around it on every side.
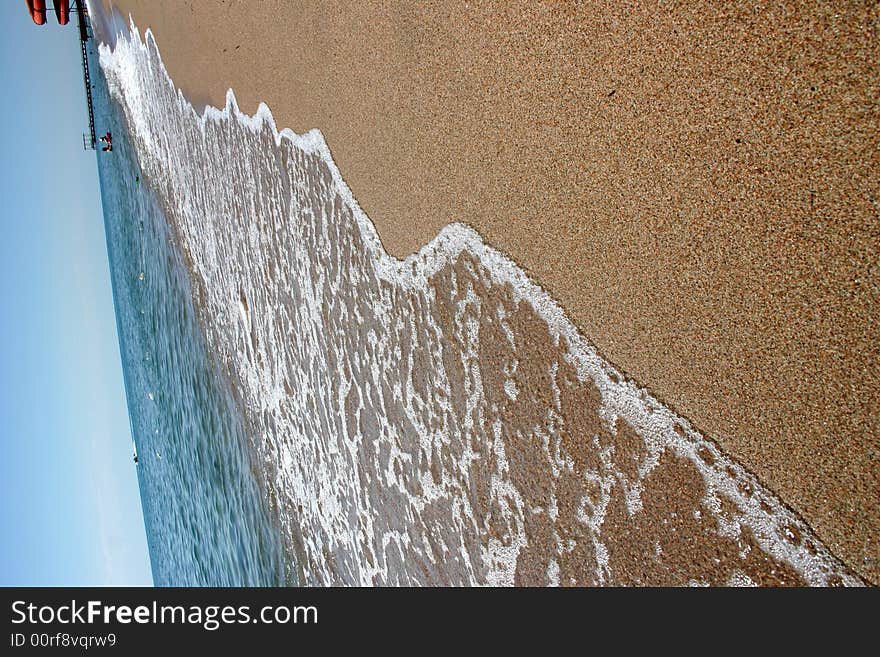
(85, 33)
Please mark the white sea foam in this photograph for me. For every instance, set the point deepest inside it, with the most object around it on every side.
(395, 408)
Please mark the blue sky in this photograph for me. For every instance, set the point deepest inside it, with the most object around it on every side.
(70, 512)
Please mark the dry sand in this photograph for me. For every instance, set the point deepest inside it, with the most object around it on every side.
(697, 186)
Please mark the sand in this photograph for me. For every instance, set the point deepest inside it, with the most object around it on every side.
(697, 187)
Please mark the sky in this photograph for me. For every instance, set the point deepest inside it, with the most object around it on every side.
(70, 509)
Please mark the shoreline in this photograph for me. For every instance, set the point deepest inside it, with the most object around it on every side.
(787, 461)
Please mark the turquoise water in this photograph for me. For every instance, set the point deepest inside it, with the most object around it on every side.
(205, 519)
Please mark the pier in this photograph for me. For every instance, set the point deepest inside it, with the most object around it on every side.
(85, 33)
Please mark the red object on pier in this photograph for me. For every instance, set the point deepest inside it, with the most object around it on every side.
(62, 11)
(37, 9)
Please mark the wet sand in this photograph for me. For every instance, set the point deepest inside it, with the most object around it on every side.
(697, 188)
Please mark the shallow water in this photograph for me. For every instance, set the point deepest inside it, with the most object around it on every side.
(430, 421)
(206, 523)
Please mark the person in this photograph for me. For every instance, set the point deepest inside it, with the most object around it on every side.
(135, 459)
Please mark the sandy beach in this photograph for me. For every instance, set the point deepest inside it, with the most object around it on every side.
(697, 188)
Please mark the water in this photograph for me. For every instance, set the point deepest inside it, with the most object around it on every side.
(327, 414)
(206, 524)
